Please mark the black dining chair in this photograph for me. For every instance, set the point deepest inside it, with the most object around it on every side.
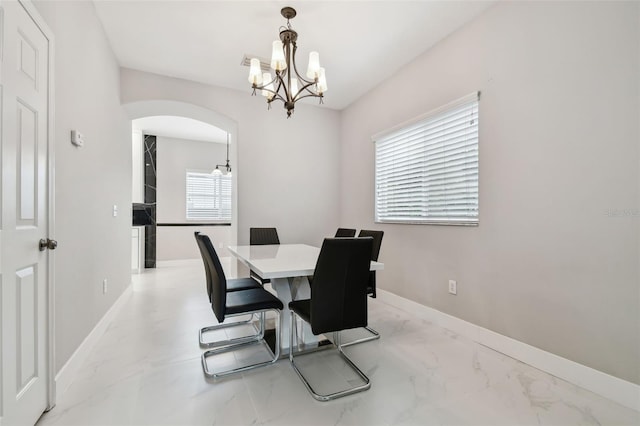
(232, 285)
(261, 237)
(234, 303)
(345, 232)
(207, 251)
(371, 286)
(338, 301)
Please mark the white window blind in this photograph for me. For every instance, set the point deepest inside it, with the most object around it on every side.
(426, 170)
(208, 196)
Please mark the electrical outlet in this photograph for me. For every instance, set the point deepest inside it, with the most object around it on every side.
(115, 210)
(104, 286)
(77, 138)
(453, 287)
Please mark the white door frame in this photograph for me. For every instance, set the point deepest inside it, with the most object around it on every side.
(50, 294)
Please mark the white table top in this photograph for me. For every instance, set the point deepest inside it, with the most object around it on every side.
(282, 260)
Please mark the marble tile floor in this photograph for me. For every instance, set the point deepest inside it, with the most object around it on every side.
(146, 370)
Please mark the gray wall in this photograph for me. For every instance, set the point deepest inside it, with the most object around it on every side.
(549, 265)
(174, 158)
(287, 170)
(93, 245)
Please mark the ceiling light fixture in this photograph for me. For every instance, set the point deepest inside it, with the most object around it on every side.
(217, 171)
(288, 85)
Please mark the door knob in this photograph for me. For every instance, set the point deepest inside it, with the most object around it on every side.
(48, 244)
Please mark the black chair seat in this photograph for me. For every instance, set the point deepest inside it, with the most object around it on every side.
(242, 284)
(302, 308)
(251, 300)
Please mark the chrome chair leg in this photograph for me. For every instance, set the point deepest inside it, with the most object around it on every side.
(206, 345)
(375, 336)
(238, 344)
(334, 395)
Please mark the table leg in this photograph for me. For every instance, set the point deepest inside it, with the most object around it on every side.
(289, 289)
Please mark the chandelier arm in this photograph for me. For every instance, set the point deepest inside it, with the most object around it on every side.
(278, 81)
(276, 94)
(281, 83)
(305, 92)
(306, 87)
(307, 83)
(295, 69)
(278, 97)
(263, 85)
(312, 95)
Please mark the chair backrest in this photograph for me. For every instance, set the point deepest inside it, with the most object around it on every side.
(377, 241)
(345, 232)
(204, 261)
(216, 279)
(263, 236)
(375, 252)
(339, 288)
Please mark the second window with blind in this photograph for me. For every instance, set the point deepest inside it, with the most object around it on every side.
(208, 197)
(426, 170)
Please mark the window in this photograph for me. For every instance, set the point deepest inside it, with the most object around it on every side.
(427, 169)
(208, 197)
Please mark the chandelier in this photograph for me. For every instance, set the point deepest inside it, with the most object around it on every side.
(288, 85)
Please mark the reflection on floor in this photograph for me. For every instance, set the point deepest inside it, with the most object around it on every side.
(146, 370)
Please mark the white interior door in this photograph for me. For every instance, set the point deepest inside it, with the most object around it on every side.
(24, 94)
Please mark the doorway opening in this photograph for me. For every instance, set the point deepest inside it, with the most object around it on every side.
(180, 182)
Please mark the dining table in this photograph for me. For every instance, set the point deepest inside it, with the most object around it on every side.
(288, 267)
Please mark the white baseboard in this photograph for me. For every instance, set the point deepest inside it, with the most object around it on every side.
(176, 262)
(67, 373)
(618, 390)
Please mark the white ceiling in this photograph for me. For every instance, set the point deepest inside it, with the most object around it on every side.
(180, 128)
(360, 42)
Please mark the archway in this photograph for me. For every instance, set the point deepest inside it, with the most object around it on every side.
(143, 109)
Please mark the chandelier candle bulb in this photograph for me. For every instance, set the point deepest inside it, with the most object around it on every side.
(314, 65)
(278, 62)
(255, 73)
(268, 82)
(294, 87)
(322, 81)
